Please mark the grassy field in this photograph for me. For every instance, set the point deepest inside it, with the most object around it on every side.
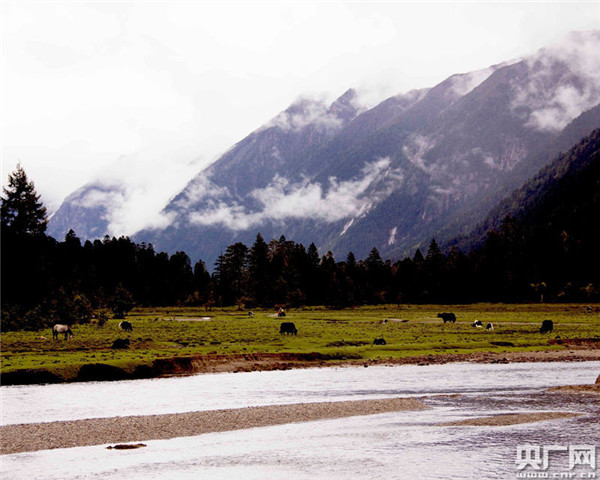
(410, 330)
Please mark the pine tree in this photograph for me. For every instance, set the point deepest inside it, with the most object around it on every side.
(374, 262)
(22, 211)
(313, 256)
(231, 271)
(351, 264)
(434, 254)
(259, 281)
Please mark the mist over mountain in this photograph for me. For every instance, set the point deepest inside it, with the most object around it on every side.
(426, 163)
(88, 210)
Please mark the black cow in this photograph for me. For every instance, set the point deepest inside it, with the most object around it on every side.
(379, 341)
(447, 317)
(477, 323)
(288, 328)
(489, 327)
(547, 326)
(281, 312)
(121, 343)
(126, 326)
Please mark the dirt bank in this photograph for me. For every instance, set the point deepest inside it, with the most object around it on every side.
(285, 361)
(99, 431)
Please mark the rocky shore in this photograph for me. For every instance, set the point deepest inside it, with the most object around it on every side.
(100, 431)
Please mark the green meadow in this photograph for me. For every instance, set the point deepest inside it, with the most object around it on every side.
(410, 330)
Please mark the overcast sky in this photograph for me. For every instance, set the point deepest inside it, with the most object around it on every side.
(149, 92)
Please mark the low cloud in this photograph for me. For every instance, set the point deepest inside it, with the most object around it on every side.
(198, 189)
(136, 212)
(281, 200)
(415, 148)
(567, 103)
(577, 62)
(464, 83)
(108, 199)
(135, 199)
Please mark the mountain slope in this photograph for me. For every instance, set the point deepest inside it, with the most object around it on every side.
(562, 198)
(460, 228)
(428, 161)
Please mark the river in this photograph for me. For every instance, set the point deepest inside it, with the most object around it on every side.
(387, 446)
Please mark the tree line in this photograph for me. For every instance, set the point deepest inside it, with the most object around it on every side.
(45, 281)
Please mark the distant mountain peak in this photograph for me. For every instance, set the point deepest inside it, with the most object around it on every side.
(305, 112)
(346, 107)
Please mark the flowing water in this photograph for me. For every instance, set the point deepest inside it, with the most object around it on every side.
(394, 445)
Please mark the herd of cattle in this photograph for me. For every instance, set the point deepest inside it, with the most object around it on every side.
(547, 325)
(286, 328)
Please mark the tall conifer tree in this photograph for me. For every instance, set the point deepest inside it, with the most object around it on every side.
(22, 211)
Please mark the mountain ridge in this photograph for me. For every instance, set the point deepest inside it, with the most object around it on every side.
(391, 176)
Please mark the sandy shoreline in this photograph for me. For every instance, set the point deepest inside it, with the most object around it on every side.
(100, 431)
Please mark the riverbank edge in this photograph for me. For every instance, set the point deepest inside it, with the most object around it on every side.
(192, 365)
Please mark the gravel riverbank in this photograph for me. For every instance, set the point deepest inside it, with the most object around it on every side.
(509, 419)
(99, 431)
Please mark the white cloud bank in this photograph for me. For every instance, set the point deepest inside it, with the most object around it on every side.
(281, 200)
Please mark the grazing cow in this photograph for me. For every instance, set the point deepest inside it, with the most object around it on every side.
(121, 343)
(379, 341)
(477, 323)
(288, 328)
(59, 328)
(447, 317)
(126, 326)
(281, 312)
(385, 320)
(547, 326)
(489, 327)
(250, 313)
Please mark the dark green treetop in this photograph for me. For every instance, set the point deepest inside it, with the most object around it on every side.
(22, 211)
